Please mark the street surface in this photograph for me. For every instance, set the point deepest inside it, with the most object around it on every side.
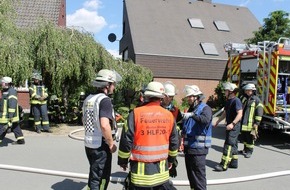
(64, 154)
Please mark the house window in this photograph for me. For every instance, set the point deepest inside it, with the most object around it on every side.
(124, 28)
(195, 23)
(221, 26)
(125, 55)
(209, 48)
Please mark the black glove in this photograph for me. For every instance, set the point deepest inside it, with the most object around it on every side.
(173, 171)
(127, 182)
(7, 126)
(254, 132)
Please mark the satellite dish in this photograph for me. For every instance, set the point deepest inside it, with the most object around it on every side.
(112, 37)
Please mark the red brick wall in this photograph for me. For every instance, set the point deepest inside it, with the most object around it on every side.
(23, 99)
(206, 86)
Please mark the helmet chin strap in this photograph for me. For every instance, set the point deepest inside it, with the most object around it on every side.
(5, 86)
(196, 101)
(230, 92)
(108, 89)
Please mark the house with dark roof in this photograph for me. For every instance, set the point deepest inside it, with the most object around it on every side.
(29, 13)
(183, 40)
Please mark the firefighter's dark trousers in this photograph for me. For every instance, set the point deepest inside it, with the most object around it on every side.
(230, 151)
(40, 110)
(196, 173)
(15, 128)
(100, 161)
(31, 119)
(247, 139)
(166, 186)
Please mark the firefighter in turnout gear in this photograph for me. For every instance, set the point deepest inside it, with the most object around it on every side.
(38, 102)
(252, 116)
(150, 141)
(232, 114)
(167, 103)
(9, 112)
(197, 132)
(99, 122)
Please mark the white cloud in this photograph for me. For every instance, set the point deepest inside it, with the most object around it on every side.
(113, 26)
(93, 4)
(115, 53)
(88, 20)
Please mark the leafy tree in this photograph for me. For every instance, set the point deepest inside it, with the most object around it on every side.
(134, 78)
(14, 51)
(275, 26)
(67, 59)
(220, 99)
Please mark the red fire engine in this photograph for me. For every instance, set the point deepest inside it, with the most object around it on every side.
(267, 65)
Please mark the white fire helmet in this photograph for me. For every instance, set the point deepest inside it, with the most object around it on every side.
(6, 80)
(170, 88)
(192, 90)
(36, 75)
(106, 75)
(154, 89)
(229, 86)
(249, 86)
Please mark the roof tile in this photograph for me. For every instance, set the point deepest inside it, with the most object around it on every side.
(30, 12)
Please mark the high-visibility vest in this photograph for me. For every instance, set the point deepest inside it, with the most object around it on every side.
(197, 135)
(91, 110)
(91, 114)
(153, 126)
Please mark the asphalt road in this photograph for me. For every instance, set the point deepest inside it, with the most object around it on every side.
(61, 153)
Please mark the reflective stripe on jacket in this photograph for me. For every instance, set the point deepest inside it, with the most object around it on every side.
(93, 132)
(37, 90)
(197, 135)
(9, 106)
(153, 126)
(148, 174)
(252, 113)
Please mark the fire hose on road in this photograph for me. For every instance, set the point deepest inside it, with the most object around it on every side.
(121, 179)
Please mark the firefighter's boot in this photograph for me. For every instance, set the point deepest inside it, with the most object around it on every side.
(233, 164)
(248, 155)
(220, 168)
(20, 141)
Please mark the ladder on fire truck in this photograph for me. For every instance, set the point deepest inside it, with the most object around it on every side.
(270, 58)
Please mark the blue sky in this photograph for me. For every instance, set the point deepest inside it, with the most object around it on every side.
(102, 17)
